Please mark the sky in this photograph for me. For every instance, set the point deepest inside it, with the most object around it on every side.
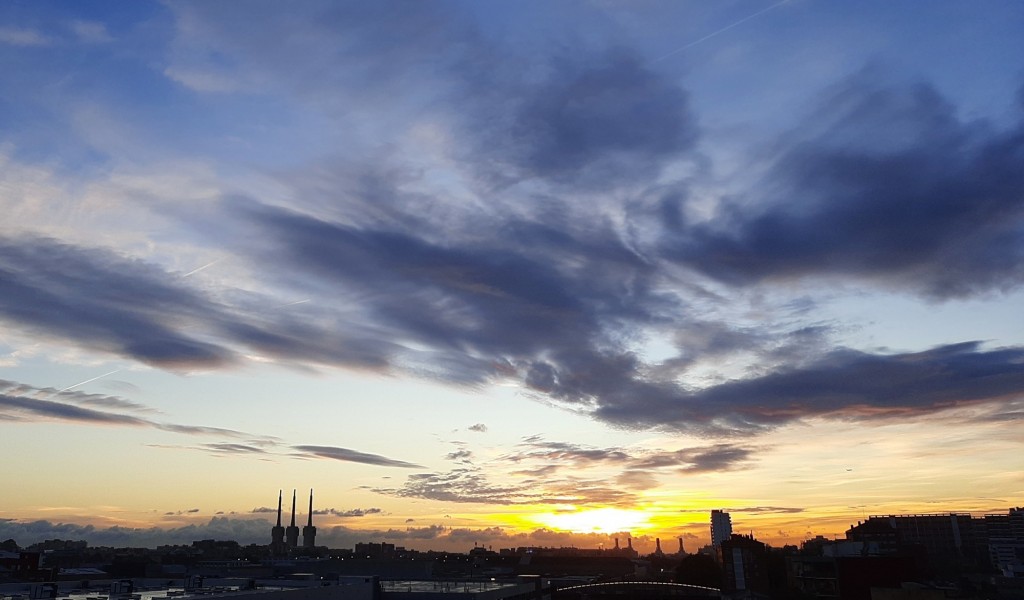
(508, 273)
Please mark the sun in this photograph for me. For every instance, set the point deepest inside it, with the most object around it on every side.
(597, 520)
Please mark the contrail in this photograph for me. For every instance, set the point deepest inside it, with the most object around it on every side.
(291, 303)
(206, 266)
(71, 387)
(724, 29)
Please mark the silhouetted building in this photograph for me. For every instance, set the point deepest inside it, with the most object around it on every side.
(721, 527)
(745, 564)
(374, 549)
(949, 542)
(849, 577)
(1005, 537)
(309, 532)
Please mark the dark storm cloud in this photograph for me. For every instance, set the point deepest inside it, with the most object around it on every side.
(886, 183)
(103, 301)
(601, 118)
(843, 384)
(479, 307)
(346, 455)
(482, 312)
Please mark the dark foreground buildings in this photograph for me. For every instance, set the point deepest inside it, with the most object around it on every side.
(890, 557)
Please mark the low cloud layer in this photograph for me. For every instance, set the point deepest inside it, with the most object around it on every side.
(257, 531)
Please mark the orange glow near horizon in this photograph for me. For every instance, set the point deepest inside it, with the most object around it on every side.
(597, 520)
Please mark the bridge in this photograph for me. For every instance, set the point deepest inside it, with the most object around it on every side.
(634, 590)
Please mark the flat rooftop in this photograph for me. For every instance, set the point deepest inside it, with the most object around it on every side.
(449, 587)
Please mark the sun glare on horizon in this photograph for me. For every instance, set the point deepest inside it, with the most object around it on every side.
(598, 520)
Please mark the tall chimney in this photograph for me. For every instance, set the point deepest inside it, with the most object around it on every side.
(310, 523)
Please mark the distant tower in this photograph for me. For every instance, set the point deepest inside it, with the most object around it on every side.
(277, 547)
(616, 543)
(721, 527)
(681, 551)
(292, 533)
(657, 547)
(309, 532)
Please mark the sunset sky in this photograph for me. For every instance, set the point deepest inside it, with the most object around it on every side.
(508, 273)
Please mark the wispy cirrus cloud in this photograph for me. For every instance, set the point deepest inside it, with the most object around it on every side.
(540, 471)
(24, 408)
(473, 485)
(18, 408)
(18, 36)
(28, 409)
(348, 455)
(350, 513)
(555, 455)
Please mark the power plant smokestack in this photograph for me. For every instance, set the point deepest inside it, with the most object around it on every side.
(277, 545)
(292, 533)
(309, 532)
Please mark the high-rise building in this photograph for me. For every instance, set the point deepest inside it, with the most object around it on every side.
(309, 532)
(721, 527)
(292, 533)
